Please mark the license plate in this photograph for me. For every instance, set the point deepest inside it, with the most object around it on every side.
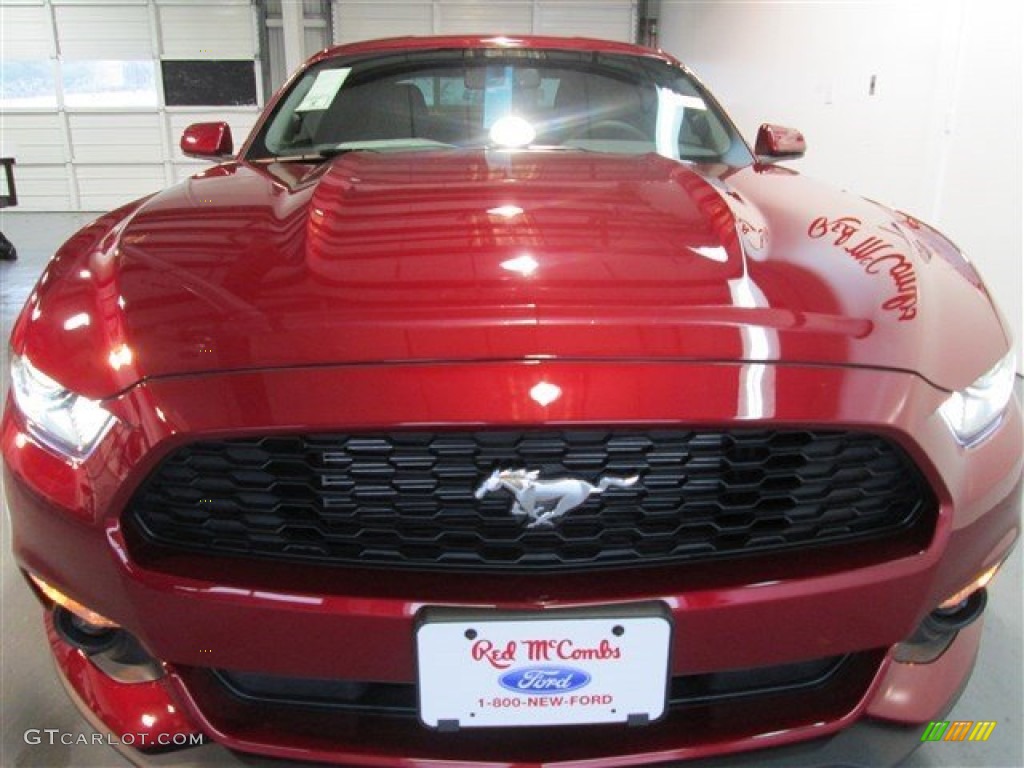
(549, 668)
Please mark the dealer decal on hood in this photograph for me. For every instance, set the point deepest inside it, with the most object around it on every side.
(877, 256)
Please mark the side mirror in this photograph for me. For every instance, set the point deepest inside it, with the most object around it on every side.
(209, 140)
(777, 142)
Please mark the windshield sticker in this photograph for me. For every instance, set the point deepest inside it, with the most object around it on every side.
(752, 235)
(877, 257)
(324, 89)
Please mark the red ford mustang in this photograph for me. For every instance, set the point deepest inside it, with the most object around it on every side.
(498, 405)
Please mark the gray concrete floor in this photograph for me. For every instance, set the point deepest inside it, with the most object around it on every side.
(31, 697)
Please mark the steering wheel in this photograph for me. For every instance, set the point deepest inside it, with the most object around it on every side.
(612, 129)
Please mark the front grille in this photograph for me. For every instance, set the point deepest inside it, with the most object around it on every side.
(401, 698)
(406, 499)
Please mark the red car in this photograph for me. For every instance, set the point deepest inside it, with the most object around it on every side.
(498, 405)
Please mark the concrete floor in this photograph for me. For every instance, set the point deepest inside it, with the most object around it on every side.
(31, 697)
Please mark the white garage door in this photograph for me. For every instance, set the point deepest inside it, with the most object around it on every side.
(365, 19)
(95, 93)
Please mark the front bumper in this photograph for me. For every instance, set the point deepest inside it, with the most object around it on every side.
(197, 613)
(870, 741)
(866, 744)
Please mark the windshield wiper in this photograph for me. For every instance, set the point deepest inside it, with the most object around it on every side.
(309, 157)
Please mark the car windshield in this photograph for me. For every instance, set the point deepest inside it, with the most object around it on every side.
(499, 98)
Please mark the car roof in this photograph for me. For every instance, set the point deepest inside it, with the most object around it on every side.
(512, 42)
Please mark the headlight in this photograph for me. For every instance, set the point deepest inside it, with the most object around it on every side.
(971, 412)
(68, 423)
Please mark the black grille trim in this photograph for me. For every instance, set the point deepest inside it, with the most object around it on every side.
(399, 699)
(406, 499)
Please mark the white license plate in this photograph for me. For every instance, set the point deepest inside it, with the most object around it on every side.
(560, 668)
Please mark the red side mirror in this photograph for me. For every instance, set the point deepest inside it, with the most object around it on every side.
(212, 140)
(777, 142)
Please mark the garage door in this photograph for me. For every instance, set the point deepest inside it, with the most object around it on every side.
(95, 94)
(365, 19)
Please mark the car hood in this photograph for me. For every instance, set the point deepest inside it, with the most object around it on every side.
(468, 256)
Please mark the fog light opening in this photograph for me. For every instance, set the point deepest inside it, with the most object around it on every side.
(938, 630)
(87, 637)
(115, 652)
(956, 617)
(90, 619)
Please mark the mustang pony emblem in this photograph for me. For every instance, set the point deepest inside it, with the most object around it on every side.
(543, 501)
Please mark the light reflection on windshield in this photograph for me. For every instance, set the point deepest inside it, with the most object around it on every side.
(534, 99)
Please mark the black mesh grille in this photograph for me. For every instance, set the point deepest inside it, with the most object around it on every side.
(407, 498)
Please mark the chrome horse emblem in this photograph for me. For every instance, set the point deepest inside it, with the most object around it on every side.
(544, 501)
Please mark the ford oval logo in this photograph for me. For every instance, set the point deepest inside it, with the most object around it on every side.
(543, 680)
